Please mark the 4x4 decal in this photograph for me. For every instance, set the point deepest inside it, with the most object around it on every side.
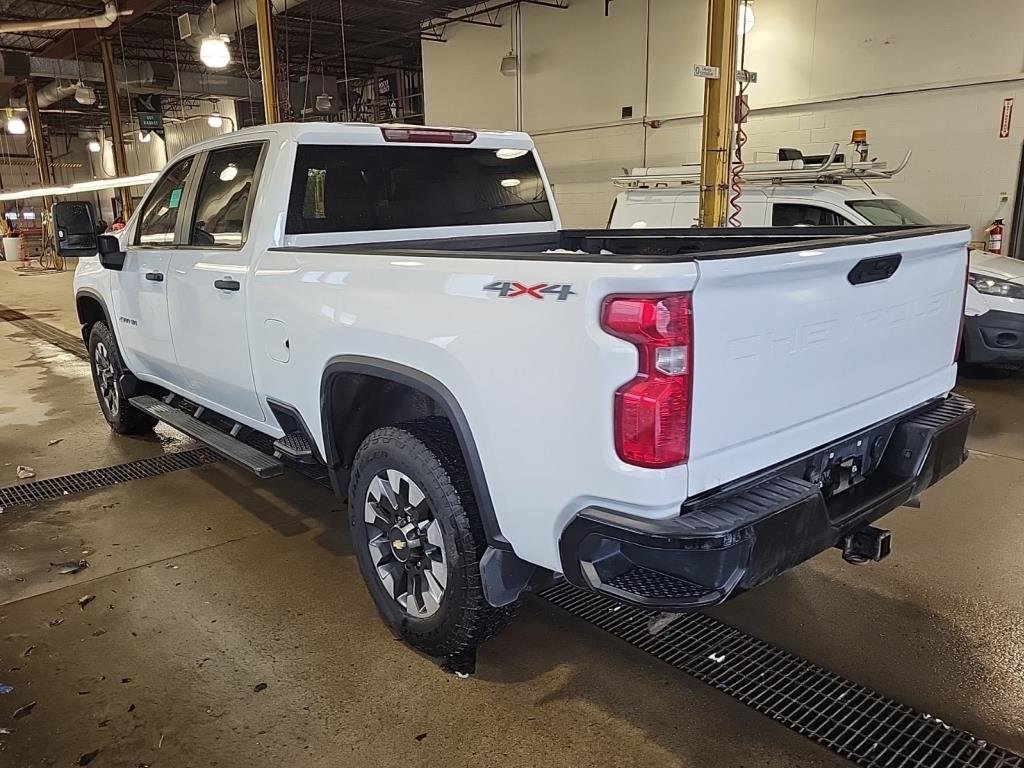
(509, 289)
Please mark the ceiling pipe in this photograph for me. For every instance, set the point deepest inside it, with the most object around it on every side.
(223, 18)
(108, 17)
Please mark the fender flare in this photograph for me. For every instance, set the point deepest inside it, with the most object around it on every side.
(440, 394)
(93, 294)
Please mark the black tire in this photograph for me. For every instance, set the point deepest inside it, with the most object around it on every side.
(427, 454)
(107, 368)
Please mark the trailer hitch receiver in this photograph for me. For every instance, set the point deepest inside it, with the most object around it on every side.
(867, 544)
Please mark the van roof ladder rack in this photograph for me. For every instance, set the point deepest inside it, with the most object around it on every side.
(829, 171)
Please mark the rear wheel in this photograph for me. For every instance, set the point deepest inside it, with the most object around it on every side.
(418, 539)
(107, 369)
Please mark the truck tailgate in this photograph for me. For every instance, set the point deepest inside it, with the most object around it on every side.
(796, 349)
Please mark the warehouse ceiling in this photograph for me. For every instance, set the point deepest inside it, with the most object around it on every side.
(308, 33)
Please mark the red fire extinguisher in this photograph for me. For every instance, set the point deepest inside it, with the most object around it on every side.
(995, 237)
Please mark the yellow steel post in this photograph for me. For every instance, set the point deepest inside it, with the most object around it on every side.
(42, 161)
(719, 106)
(116, 134)
(268, 60)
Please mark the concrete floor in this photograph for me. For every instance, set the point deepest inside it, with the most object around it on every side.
(209, 583)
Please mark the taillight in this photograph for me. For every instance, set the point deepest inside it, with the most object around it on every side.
(652, 412)
(414, 135)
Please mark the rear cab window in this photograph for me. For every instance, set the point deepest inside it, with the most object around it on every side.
(347, 188)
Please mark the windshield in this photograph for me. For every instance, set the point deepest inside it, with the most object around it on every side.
(887, 212)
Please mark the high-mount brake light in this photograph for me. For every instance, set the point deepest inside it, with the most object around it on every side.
(428, 135)
(653, 410)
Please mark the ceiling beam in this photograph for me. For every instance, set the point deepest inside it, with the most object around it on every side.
(64, 46)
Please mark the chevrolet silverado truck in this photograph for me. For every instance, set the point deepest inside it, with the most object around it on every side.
(666, 417)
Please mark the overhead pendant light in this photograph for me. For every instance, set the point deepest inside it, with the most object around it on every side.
(323, 101)
(510, 64)
(214, 51)
(85, 94)
(94, 145)
(215, 119)
(145, 136)
(746, 20)
(15, 124)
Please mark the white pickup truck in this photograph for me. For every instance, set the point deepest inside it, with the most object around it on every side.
(665, 417)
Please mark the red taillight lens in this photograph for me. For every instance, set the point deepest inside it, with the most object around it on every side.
(652, 412)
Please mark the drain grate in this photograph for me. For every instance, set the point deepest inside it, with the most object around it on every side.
(853, 721)
(44, 331)
(91, 479)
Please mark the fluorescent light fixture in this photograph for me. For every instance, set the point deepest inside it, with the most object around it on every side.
(214, 51)
(511, 154)
(16, 125)
(510, 182)
(94, 146)
(95, 185)
(145, 136)
(746, 21)
(229, 172)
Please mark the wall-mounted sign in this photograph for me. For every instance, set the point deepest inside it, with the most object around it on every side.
(707, 72)
(1007, 120)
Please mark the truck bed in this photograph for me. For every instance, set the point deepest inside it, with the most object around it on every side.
(638, 245)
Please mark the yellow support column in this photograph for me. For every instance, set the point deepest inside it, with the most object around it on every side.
(719, 106)
(268, 60)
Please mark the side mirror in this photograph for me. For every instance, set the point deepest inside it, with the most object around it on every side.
(75, 228)
(111, 255)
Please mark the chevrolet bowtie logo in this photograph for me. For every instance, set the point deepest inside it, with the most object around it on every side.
(399, 544)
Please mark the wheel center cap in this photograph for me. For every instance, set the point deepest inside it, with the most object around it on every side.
(404, 543)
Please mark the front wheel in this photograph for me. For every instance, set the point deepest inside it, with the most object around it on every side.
(107, 369)
(418, 539)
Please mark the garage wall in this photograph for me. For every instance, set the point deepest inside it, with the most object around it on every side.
(926, 75)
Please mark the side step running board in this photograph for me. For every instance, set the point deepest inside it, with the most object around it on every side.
(246, 456)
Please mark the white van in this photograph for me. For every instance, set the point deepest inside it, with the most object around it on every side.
(994, 327)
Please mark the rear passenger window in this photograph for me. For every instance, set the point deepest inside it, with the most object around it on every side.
(160, 215)
(799, 215)
(224, 193)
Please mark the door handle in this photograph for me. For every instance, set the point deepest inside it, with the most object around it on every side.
(156, 277)
(227, 285)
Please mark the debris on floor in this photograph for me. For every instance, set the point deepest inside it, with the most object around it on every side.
(84, 600)
(88, 757)
(21, 712)
(259, 687)
(55, 441)
(28, 651)
(71, 566)
(25, 472)
(5, 689)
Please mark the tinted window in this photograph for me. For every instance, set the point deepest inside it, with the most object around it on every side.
(160, 215)
(884, 212)
(346, 188)
(223, 199)
(799, 215)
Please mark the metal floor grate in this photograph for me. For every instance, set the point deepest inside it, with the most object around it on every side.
(91, 479)
(44, 331)
(850, 720)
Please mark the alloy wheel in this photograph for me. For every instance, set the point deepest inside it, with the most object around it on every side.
(405, 543)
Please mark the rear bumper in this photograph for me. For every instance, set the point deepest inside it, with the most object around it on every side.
(994, 338)
(745, 534)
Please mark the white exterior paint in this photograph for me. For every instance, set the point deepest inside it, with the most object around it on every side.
(787, 352)
(825, 67)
